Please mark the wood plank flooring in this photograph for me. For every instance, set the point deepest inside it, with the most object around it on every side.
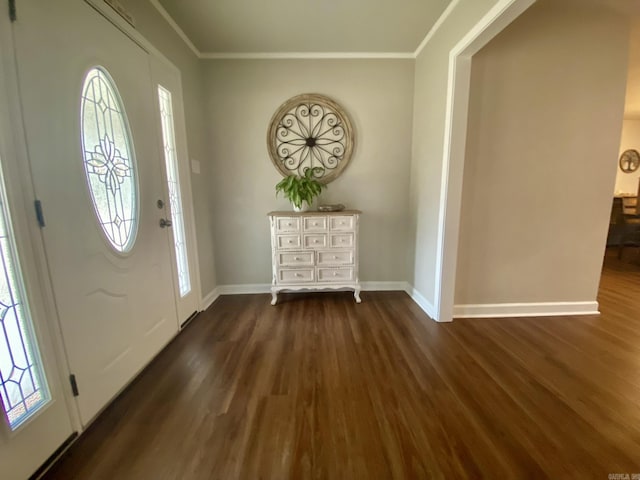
(321, 388)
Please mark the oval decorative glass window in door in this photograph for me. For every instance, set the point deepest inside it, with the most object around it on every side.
(109, 161)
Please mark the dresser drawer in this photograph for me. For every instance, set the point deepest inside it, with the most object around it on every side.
(331, 257)
(288, 241)
(336, 275)
(315, 224)
(341, 240)
(295, 259)
(342, 223)
(297, 275)
(287, 224)
(315, 240)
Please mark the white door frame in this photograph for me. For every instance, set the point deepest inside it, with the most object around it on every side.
(455, 135)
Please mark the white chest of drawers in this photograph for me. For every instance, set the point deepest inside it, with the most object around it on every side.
(314, 250)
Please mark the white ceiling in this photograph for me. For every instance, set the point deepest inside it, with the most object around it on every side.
(305, 26)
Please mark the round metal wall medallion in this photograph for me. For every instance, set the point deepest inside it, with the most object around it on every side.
(629, 161)
(310, 131)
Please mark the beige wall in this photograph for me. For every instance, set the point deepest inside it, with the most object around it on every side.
(628, 182)
(545, 118)
(241, 97)
(431, 76)
(155, 29)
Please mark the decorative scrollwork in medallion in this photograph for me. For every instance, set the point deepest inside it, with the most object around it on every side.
(310, 131)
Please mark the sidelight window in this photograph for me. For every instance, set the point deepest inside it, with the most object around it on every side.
(173, 183)
(23, 387)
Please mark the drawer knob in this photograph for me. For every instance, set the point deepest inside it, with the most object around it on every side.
(298, 274)
(316, 241)
(297, 259)
(335, 257)
(335, 274)
(290, 241)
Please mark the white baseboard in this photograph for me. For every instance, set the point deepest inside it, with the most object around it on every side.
(212, 296)
(422, 302)
(366, 286)
(545, 309)
(266, 288)
(488, 310)
(384, 286)
(244, 289)
(208, 300)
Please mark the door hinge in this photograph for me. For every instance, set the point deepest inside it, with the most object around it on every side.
(39, 213)
(13, 16)
(74, 385)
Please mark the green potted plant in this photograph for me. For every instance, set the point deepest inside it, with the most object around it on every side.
(301, 191)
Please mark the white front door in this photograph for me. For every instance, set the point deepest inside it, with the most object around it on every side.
(88, 107)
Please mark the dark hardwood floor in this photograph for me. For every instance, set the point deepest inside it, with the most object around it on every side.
(321, 388)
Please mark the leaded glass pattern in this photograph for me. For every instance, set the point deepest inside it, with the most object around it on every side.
(23, 387)
(109, 161)
(173, 181)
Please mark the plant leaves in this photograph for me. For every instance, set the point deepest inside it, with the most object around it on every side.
(298, 189)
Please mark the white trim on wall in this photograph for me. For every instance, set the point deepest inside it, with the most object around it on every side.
(300, 55)
(546, 309)
(459, 83)
(244, 289)
(305, 55)
(208, 299)
(172, 23)
(432, 31)
(495, 310)
(275, 55)
(212, 296)
(385, 286)
(257, 288)
(266, 288)
(426, 306)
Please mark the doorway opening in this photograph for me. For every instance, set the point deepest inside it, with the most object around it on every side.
(621, 263)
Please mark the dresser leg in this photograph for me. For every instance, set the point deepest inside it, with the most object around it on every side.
(274, 297)
(356, 295)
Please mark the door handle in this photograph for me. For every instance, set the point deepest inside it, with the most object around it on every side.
(165, 222)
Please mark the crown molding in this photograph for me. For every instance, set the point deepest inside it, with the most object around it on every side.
(436, 26)
(161, 10)
(301, 55)
(306, 55)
